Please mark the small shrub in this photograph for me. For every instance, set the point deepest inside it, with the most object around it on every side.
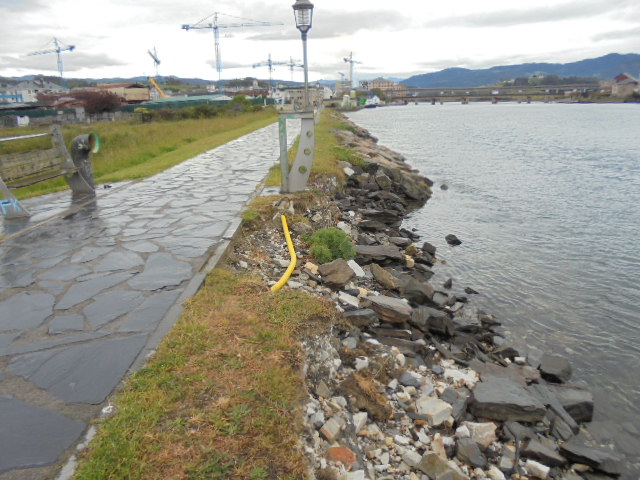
(249, 216)
(328, 244)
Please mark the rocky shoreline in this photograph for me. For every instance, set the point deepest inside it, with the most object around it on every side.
(413, 383)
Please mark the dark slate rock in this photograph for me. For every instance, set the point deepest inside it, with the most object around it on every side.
(336, 274)
(97, 368)
(437, 369)
(598, 457)
(423, 258)
(467, 323)
(400, 241)
(452, 239)
(440, 299)
(25, 310)
(417, 292)
(538, 451)
(32, 436)
(362, 317)
(429, 248)
(470, 291)
(385, 278)
(389, 331)
(424, 270)
(389, 309)
(514, 430)
(378, 253)
(83, 291)
(161, 271)
(555, 368)
(548, 397)
(460, 406)
(469, 452)
(148, 315)
(372, 226)
(577, 401)
(111, 305)
(503, 399)
(406, 347)
(560, 429)
(408, 380)
(66, 324)
(431, 319)
(64, 272)
(119, 260)
(506, 351)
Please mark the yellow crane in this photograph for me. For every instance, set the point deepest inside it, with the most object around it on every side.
(157, 87)
(156, 62)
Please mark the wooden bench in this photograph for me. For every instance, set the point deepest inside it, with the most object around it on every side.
(19, 170)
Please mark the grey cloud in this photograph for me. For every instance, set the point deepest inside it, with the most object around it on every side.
(330, 24)
(48, 63)
(554, 13)
(617, 35)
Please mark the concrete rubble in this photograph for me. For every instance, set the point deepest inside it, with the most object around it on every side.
(413, 384)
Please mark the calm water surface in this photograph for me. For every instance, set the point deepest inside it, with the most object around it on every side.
(546, 199)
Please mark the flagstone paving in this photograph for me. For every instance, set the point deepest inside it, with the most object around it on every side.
(87, 291)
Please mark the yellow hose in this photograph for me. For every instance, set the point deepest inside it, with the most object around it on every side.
(282, 282)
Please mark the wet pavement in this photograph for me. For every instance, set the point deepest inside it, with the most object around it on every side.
(88, 290)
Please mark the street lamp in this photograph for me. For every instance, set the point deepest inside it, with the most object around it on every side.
(303, 11)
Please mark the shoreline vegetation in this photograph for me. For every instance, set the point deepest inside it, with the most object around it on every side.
(359, 368)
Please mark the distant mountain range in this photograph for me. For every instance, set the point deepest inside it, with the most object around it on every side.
(602, 68)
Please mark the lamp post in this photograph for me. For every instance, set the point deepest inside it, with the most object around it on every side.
(303, 12)
(294, 179)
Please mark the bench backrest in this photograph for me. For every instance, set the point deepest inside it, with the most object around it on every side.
(26, 168)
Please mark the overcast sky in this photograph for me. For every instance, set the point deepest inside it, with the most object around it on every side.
(392, 39)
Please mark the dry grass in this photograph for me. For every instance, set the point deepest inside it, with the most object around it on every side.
(221, 397)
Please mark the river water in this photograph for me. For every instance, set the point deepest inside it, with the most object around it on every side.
(546, 200)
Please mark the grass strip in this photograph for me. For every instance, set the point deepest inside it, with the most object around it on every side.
(131, 150)
(327, 151)
(220, 399)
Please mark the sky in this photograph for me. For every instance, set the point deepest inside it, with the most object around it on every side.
(391, 39)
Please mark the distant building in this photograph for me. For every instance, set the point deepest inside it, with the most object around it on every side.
(343, 87)
(384, 85)
(295, 95)
(129, 92)
(27, 91)
(624, 85)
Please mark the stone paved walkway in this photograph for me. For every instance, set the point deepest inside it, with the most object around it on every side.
(86, 293)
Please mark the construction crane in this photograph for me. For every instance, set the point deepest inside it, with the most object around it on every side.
(292, 64)
(156, 60)
(215, 26)
(351, 61)
(59, 47)
(269, 63)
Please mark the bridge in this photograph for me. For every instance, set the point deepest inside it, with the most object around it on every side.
(527, 93)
